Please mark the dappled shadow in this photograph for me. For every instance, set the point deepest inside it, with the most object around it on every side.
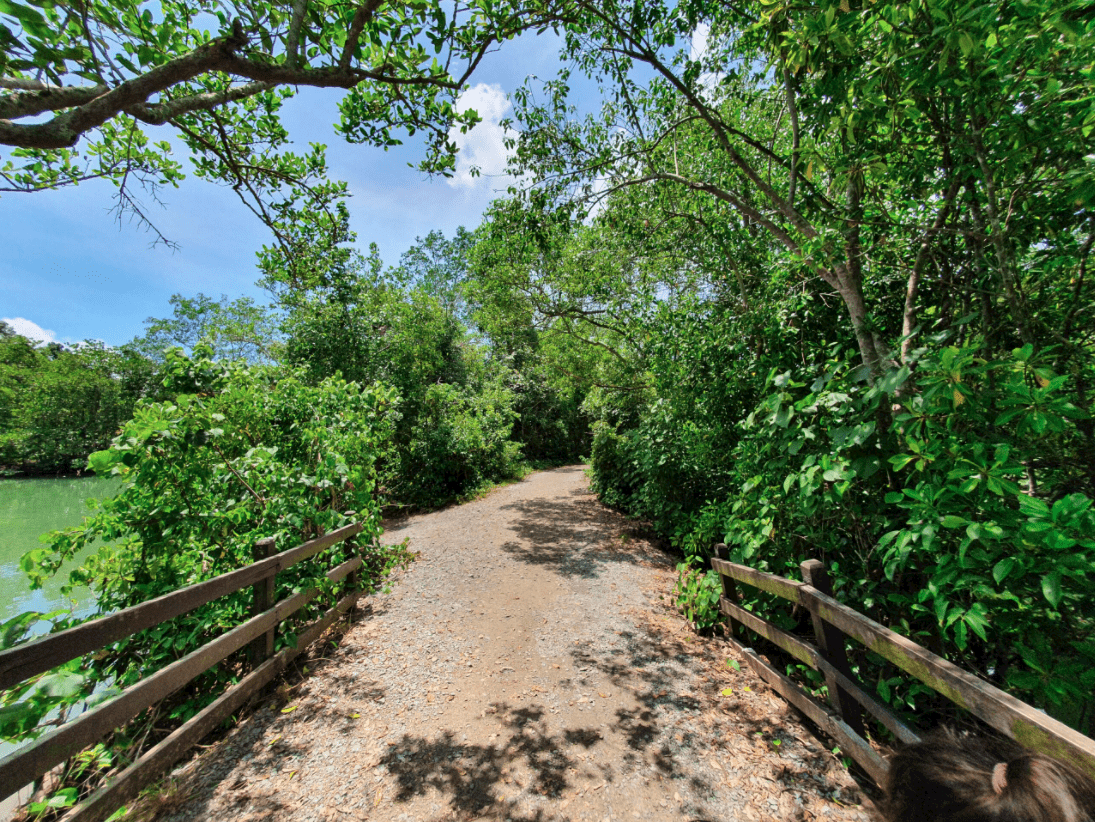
(576, 537)
(650, 667)
(472, 777)
(657, 736)
(266, 741)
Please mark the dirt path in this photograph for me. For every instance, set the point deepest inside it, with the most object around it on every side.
(525, 667)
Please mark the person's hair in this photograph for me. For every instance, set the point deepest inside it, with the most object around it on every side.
(951, 778)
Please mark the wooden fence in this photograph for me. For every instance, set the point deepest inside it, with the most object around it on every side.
(849, 699)
(38, 656)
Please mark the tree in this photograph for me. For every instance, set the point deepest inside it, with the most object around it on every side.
(885, 213)
(853, 140)
(109, 73)
(345, 314)
(540, 277)
(61, 403)
(439, 267)
(239, 453)
(234, 329)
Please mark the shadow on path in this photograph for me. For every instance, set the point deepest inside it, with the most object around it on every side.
(577, 537)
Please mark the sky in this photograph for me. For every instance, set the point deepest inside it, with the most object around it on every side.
(69, 271)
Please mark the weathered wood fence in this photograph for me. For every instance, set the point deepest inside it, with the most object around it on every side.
(849, 699)
(38, 656)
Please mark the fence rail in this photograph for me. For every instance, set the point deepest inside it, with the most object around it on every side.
(38, 656)
(834, 623)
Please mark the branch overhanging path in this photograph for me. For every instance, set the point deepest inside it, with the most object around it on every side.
(525, 667)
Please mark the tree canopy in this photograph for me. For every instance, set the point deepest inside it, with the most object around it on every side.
(93, 90)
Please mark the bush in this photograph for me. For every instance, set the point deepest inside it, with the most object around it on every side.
(460, 440)
(939, 511)
(951, 502)
(239, 455)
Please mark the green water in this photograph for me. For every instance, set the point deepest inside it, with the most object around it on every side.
(28, 508)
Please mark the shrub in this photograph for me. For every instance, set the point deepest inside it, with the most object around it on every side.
(240, 454)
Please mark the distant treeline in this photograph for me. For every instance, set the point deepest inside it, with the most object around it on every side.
(466, 410)
(59, 403)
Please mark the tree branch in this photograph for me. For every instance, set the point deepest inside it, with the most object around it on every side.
(793, 109)
(362, 16)
(1077, 290)
(909, 316)
(157, 114)
(721, 194)
(90, 107)
(64, 130)
(292, 39)
(29, 102)
(998, 238)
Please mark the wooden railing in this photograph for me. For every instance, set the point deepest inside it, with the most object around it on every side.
(849, 699)
(38, 656)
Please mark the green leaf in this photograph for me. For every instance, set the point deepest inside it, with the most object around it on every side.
(62, 683)
(1002, 569)
(1032, 506)
(976, 620)
(893, 380)
(1051, 588)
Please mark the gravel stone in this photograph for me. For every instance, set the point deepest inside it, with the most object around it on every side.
(527, 666)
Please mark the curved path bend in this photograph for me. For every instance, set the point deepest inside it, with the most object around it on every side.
(527, 667)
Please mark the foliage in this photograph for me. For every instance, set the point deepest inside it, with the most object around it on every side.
(549, 421)
(218, 76)
(23, 708)
(849, 143)
(439, 267)
(958, 524)
(543, 281)
(346, 315)
(848, 251)
(239, 454)
(698, 593)
(459, 441)
(235, 329)
(817, 277)
(61, 403)
(991, 498)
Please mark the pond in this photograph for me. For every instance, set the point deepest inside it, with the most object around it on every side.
(29, 508)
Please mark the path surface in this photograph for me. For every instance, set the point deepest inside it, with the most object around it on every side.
(528, 667)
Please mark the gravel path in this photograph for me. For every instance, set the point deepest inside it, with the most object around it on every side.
(527, 667)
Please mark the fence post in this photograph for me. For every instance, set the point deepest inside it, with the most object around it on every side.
(353, 579)
(263, 593)
(729, 590)
(830, 641)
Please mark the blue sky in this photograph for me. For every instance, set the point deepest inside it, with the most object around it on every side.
(70, 272)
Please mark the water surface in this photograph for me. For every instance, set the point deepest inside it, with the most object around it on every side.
(29, 508)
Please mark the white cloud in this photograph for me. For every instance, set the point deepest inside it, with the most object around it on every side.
(699, 41)
(697, 52)
(30, 330)
(484, 146)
